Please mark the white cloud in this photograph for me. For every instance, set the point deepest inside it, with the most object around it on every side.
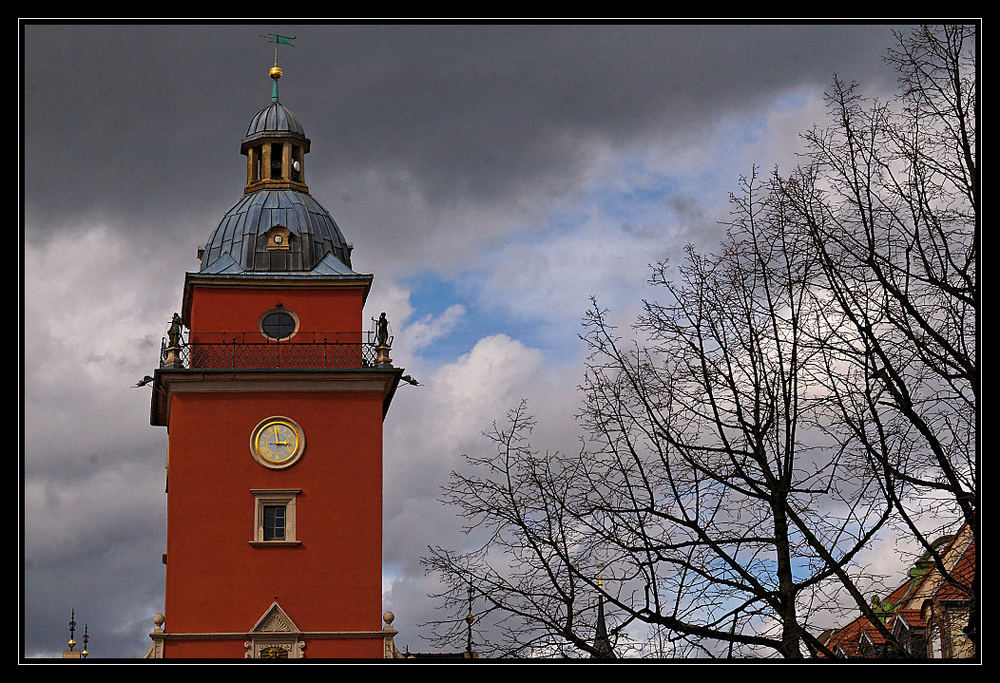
(94, 331)
(637, 207)
(389, 297)
(478, 387)
(420, 333)
(427, 430)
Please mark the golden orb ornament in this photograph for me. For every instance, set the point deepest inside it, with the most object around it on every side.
(275, 72)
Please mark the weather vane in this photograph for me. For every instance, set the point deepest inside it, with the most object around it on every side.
(275, 72)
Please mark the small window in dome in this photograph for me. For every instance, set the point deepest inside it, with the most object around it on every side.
(278, 238)
(278, 324)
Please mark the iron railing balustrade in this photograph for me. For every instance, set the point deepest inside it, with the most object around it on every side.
(251, 350)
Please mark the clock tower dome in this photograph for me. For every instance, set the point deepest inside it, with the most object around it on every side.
(274, 398)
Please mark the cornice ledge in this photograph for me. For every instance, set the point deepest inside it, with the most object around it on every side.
(205, 380)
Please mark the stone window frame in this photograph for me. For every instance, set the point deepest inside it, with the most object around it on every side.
(268, 497)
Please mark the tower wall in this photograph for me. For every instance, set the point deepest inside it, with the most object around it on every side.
(237, 309)
(217, 581)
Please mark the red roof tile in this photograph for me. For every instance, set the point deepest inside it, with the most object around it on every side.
(849, 637)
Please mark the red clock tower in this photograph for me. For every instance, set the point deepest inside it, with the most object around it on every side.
(273, 398)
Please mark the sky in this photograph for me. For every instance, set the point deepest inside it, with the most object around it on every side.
(492, 178)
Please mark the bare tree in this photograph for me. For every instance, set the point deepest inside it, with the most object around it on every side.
(798, 393)
(706, 496)
(534, 579)
(890, 201)
(725, 399)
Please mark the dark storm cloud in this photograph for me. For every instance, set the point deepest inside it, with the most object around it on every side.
(494, 110)
(144, 122)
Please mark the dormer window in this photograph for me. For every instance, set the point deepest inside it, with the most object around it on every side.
(279, 238)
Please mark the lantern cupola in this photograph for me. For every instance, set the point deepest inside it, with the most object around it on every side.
(275, 146)
(277, 226)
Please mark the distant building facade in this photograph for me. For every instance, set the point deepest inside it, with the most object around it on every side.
(928, 614)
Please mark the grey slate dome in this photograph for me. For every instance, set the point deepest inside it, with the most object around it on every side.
(273, 119)
(239, 243)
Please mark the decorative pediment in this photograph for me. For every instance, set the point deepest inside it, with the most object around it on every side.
(275, 620)
(274, 636)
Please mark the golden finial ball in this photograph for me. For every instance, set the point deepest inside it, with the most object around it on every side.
(275, 72)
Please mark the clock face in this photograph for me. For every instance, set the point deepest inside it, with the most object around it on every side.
(277, 442)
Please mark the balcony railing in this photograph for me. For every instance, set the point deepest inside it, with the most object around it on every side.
(249, 351)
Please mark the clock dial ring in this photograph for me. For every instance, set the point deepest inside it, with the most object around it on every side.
(277, 442)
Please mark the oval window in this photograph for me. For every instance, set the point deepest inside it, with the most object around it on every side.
(278, 324)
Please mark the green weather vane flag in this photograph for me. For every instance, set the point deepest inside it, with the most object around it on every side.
(275, 72)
